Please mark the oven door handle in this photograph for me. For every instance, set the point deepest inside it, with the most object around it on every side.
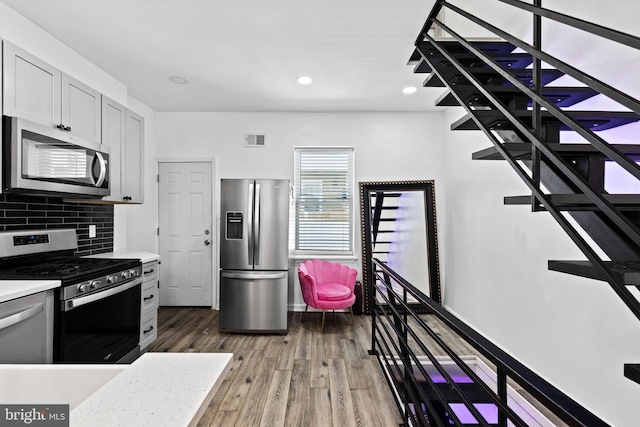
(78, 302)
(21, 316)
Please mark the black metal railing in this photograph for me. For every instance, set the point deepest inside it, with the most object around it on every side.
(408, 361)
(619, 225)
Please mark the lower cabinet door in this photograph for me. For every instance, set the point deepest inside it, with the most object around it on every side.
(148, 329)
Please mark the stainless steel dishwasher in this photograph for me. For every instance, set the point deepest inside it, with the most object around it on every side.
(26, 329)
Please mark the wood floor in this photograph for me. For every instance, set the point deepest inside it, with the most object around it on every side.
(304, 378)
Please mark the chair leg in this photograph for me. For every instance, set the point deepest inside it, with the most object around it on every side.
(302, 315)
(323, 312)
(351, 310)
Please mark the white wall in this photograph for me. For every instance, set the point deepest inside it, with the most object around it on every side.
(388, 146)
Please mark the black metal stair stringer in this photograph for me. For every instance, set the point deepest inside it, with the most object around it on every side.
(628, 298)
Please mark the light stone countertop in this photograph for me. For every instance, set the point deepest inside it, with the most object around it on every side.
(157, 390)
(12, 289)
(141, 255)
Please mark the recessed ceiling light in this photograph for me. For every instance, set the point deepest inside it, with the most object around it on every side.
(178, 80)
(304, 80)
(409, 89)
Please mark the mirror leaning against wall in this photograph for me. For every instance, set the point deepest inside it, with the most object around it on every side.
(399, 229)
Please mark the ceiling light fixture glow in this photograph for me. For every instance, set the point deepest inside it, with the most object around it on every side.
(409, 89)
(178, 80)
(304, 80)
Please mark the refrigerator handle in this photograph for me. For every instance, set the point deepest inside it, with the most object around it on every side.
(250, 224)
(256, 229)
(252, 276)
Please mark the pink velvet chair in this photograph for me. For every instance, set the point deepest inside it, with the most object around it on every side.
(327, 286)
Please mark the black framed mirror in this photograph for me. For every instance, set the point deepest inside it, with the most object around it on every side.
(399, 218)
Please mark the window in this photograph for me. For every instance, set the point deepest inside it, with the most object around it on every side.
(324, 200)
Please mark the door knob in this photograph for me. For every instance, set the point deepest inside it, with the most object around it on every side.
(207, 242)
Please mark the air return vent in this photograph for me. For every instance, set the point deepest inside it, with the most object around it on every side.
(254, 140)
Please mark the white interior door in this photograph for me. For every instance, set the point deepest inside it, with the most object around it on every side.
(186, 237)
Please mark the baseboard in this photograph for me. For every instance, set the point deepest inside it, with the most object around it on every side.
(301, 307)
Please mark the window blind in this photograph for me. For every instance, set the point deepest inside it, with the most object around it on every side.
(324, 199)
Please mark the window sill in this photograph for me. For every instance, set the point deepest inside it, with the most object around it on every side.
(345, 257)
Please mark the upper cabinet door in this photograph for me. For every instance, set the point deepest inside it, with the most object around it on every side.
(32, 88)
(81, 109)
(114, 135)
(133, 161)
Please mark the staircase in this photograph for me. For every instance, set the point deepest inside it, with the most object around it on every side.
(510, 96)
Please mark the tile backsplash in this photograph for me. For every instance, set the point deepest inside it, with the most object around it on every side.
(22, 212)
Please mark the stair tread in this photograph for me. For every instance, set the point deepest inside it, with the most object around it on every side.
(562, 96)
(632, 371)
(453, 76)
(497, 46)
(578, 199)
(422, 67)
(522, 150)
(626, 271)
(507, 60)
(594, 120)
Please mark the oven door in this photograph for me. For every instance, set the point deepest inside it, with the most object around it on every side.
(102, 327)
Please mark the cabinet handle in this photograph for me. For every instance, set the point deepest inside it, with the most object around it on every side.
(148, 298)
(148, 330)
(149, 271)
(61, 126)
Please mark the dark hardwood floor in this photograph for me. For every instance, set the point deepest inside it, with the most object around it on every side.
(304, 378)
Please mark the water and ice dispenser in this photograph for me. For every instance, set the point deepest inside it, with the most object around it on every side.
(234, 225)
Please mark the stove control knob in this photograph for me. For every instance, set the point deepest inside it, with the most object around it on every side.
(84, 287)
(134, 273)
(125, 274)
(95, 284)
(111, 279)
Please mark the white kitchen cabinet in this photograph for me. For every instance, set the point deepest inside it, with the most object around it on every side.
(149, 304)
(123, 132)
(37, 91)
(133, 180)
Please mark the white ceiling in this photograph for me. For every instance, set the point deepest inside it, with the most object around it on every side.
(245, 55)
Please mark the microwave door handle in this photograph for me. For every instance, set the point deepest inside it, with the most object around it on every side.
(103, 169)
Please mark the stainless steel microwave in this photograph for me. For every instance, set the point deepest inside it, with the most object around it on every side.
(43, 160)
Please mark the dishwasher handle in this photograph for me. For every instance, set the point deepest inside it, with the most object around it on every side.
(20, 316)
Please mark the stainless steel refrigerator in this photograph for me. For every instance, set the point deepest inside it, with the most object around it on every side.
(254, 261)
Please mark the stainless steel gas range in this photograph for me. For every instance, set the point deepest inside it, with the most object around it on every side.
(96, 308)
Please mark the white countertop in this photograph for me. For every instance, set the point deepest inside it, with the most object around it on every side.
(12, 289)
(142, 256)
(158, 389)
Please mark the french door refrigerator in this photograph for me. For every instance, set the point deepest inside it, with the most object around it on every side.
(254, 262)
